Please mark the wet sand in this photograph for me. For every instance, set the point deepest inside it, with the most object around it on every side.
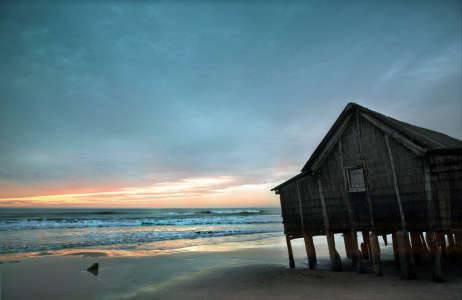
(247, 270)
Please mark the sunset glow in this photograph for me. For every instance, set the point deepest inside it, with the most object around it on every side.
(190, 192)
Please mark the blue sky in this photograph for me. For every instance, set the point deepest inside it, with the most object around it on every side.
(105, 96)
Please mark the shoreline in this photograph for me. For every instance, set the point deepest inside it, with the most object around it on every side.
(239, 270)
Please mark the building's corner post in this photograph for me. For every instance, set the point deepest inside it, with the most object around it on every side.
(435, 255)
(405, 257)
(375, 251)
(289, 249)
(395, 250)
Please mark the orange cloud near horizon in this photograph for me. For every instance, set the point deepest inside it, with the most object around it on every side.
(189, 192)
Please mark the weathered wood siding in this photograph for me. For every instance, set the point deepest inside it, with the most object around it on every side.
(411, 183)
(312, 207)
(290, 207)
(379, 176)
(351, 154)
(446, 173)
(335, 195)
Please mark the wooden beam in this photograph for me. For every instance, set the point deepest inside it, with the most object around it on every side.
(289, 249)
(329, 145)
(358, 133)
(307, 247)
(385, 241)
(416, 248)
(367, 242)
(357, 258)
(405, 257)
(424, 244)
(364, 251)
(347, 241)
(395, 134)
(313, 250)
(395, 250)
(395, 180)
(428, 193)
(376, 263)
(335, 262)
(368, 196)
(435, 255)
(310, 250)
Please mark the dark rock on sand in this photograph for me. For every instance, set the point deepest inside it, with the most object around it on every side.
(93, 269)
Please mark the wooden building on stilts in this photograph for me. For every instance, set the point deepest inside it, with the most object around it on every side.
(376, 176)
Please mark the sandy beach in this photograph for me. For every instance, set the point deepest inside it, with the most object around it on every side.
(245, 270)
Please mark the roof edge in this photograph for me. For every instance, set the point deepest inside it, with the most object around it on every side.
(349, 108)
(445, 151)
(296, 177)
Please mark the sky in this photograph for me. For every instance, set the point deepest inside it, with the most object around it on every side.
(205, 103)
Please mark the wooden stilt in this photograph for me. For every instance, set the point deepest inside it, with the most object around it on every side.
(385, 241)
(357, 256)
(395, 250)
(442, 242)
(367, 242)
(335, 262)
(451, 249)
(376, 263)
(347, 240)
(405, 257)
(435, 256)
(291, 256)
(354, 249)
(416, 248)
(309, 247)
(458, 238)
(364, 251)
(313, 250)
(424, 245)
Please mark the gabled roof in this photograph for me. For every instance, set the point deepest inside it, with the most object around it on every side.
(417, 139)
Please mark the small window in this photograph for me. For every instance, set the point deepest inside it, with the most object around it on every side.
(356, 180)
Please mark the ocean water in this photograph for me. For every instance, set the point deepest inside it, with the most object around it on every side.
(41, 230)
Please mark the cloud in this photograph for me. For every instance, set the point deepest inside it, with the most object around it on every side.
(167, 193)
(121, 94)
